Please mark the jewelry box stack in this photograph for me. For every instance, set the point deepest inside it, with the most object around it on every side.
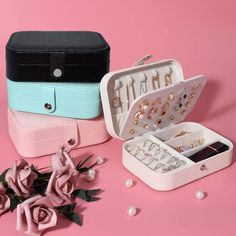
(145, 106)
(53, 82)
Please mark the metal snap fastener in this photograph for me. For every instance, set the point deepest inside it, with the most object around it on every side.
(203, 167)
(57, 72)
(71, 141)
(48, 106)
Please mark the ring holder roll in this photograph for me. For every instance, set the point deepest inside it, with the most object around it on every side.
(156, 114)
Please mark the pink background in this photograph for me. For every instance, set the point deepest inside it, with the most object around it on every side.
(202, 36)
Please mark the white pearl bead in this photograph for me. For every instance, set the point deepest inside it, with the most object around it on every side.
(145, 107)
(100, 160)
(131, 211)
(90, 177)
(129, 183)
(199, 194)
(91, 172)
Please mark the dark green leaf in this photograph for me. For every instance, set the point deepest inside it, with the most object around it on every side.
(87, 195)
(67, 209)
(45, 175)
(14, 201)
(74, 218)
(81, 163)
(93, 191)
(2, 176)
(85, 169)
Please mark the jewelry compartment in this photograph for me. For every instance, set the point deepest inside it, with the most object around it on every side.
(167, 169)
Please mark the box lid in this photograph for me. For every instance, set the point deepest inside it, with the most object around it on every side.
(51, 56)
(147, 97)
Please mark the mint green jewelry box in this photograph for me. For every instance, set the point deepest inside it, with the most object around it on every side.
(75, 100)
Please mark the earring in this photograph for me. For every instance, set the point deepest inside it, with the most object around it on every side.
(168, 79)
(143, 105)
(142, 84)
(130, 90)
(116, 102)
(155, 80)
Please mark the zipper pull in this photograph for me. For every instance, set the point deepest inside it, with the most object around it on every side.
(143, 60)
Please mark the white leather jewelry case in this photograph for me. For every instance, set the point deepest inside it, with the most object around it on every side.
(145, 105)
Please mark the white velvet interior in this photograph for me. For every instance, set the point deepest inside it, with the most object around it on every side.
(136, 82)
(165, 138)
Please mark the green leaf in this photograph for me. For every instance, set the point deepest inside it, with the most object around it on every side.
(81, 163)
(14, 201)
(93, 191)
(2, 176)
(87, 195)
(66, 209)
(74, 217)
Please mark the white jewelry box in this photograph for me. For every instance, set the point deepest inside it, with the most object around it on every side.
(145, 105)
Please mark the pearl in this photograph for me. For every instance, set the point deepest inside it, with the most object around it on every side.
(90, 177)
(145, 107)
(129, 183)
(199, 194)
(131, 211)
(100, 160)
(91, 172)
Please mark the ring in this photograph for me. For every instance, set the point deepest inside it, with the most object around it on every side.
(131, 148)
(146, 142)
(152, 146)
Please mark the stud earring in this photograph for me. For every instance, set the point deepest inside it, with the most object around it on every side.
(155, 80)
(139, 115)
(143, 105)
(168, 79)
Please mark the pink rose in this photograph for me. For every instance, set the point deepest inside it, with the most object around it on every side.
(63, 181)
(61, 159)
(35, 215)
(4, 200)
(20, 178)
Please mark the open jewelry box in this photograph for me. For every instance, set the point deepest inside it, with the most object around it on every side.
(146, 105)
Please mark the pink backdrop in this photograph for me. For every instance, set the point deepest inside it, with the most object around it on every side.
(202, 36)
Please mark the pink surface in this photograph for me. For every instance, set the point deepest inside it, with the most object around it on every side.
(202, 36)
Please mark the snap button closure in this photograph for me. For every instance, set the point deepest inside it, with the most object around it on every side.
(48, 106)
(57, 73)
(71, 141)
(203, 167)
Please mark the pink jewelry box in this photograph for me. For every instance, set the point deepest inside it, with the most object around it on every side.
(35, 135)
(145, 106)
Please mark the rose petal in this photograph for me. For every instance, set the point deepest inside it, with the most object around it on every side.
(22, 164)
(20, 222)
(13, 186)
(69, 160)
(24, 189)
(51, 223)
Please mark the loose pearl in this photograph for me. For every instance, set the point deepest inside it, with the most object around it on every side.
(131, 211)
(100, 160)
(90, 177)
(129, 183)
(199, 194)
(91, 172)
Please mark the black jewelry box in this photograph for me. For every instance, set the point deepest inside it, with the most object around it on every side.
(57, 56)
